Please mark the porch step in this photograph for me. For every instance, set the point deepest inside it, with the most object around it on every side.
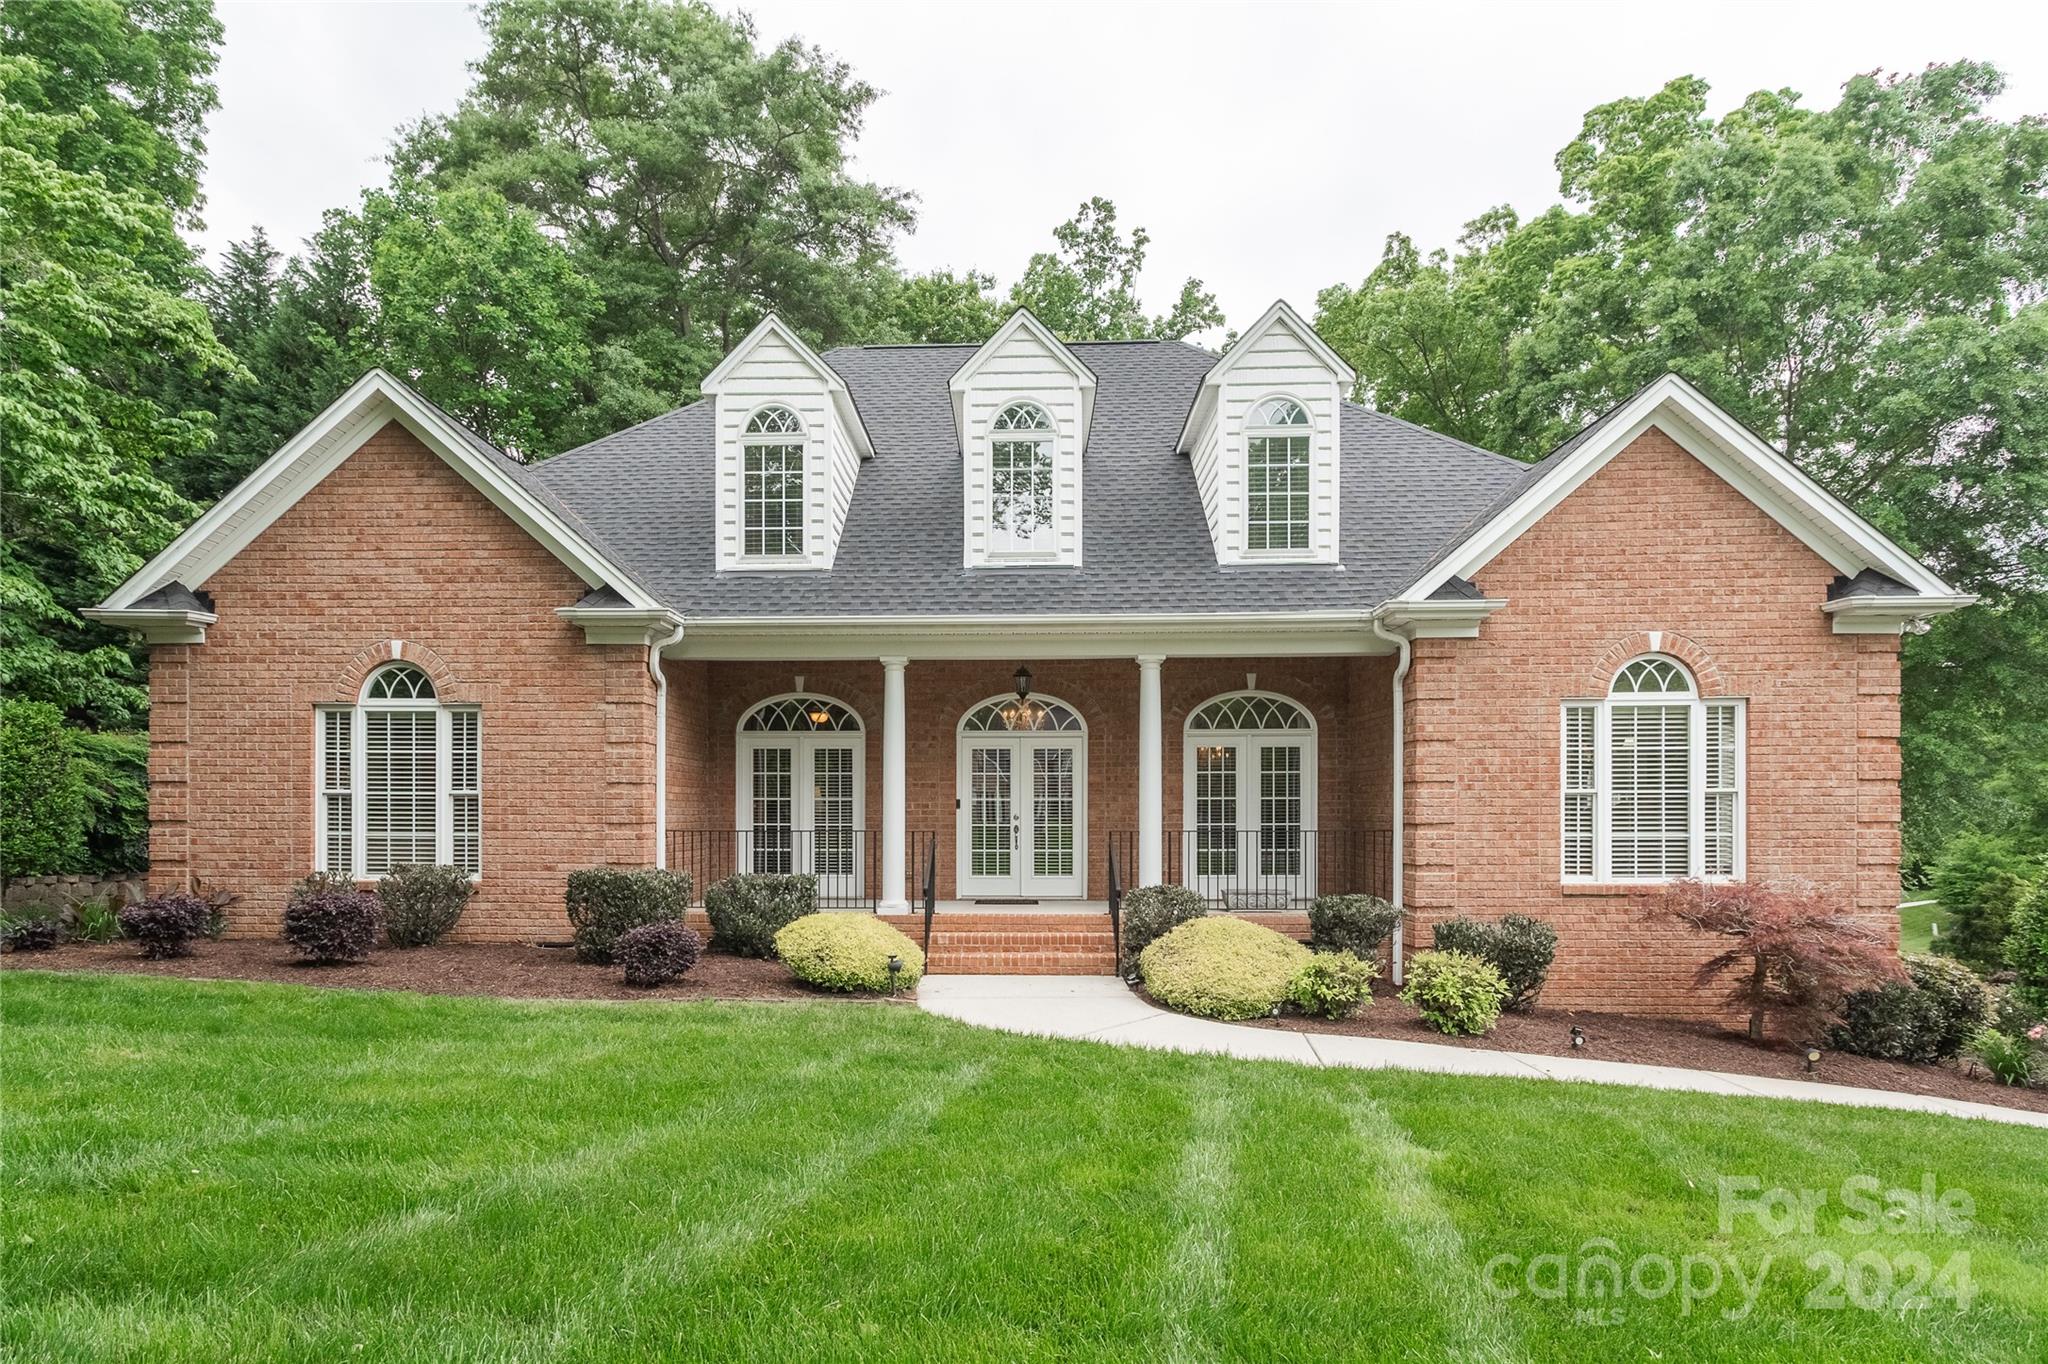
(1015, 944)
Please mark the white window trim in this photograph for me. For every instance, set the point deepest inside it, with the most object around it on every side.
(444, 801)
(1246, 742)
(1696, 790)
(1250, 432)
(751, 440)
(1049, 436)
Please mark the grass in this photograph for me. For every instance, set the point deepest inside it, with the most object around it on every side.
(1916, 924)
(203, 1171)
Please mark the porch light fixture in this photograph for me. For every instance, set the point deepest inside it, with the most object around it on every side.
(818, 715)
(1018, 714)
(1023, 681)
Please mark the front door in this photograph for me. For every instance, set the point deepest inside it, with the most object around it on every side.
(1251, 805)
(1023, 816)
(800, 809)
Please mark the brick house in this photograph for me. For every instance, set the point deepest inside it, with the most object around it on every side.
(1014, 627)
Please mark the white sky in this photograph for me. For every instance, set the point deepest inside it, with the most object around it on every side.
(1268, 148)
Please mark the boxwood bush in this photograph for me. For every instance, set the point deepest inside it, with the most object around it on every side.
(1333, 985)
(604, 902)
(2026, 948)
(1455, 992)
(1222, 967)
(1151, 912)
(422, 902)
(848, 952)
(655, 954)
(333, 926)
(1929, 1016)
(164, 926)
(1520, 948)
(1357, 924)
(748, 910)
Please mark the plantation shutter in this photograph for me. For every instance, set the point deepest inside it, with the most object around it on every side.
(1650, 772)
(1722, 787)
(1578, 768)
(465, 790)
(337, 795)
(399, 793)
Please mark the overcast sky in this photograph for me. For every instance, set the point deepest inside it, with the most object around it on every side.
(1268, 148)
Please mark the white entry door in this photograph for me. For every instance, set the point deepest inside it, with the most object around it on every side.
(800, 806)
(1023, 815)
(1252, 800)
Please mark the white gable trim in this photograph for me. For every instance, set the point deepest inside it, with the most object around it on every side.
(1280, 314)
(842, 397)
(1747, 463)
(1022, 319)
(279, 482)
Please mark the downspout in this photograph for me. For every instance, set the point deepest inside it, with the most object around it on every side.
(660, 676)
(1400, 643)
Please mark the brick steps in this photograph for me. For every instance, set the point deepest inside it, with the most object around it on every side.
(1016, 944)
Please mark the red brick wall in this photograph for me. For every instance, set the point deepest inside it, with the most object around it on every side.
(394, 545)
(1653, 542)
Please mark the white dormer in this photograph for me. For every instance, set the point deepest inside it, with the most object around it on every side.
(1263, 437)
(790, 445)
(1022, 404)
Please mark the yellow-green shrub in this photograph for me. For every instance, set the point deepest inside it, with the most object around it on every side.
(848, 952)
(1221, 967)
(1455, 992)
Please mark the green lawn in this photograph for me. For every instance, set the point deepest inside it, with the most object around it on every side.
(224, 1171)
(1916, 925)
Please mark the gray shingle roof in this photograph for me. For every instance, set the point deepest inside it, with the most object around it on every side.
(646, 496)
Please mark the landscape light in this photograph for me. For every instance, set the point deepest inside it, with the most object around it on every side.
(1578, 1037)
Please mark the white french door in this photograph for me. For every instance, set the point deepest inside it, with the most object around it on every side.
(1251, 813)
(1023, 815)
(800, 799)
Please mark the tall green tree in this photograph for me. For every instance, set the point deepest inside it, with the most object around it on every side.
(1862, 284)
(1086, 288)
(937, 308)
(698, 180)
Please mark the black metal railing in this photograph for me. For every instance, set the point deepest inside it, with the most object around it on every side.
(931, 891)
(1248, 870)
(847, 862)
(1116, 902)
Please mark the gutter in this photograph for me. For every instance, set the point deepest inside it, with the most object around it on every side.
(1401, 646)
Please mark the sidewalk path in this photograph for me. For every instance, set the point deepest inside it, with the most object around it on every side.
(1103, 1009)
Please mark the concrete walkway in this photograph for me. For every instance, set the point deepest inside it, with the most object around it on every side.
(1103, 1009)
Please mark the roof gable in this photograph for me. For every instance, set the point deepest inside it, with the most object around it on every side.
(1021, 321)
(1280, 316)
(772, 329)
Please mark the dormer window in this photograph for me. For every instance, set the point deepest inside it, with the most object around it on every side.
(1276, 477)
(772, 493)
(1020, 480)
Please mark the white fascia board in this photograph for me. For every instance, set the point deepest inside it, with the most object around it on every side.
(1452, 618)
(1175, 635)
(621, 624)
(1021, 320)
(156, 627)
(231, 524)
(1734, 453)
(1280, 313)
(835, 384)
(1870, 613)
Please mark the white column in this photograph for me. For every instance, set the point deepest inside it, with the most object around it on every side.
(894, 900)
(1151, 778)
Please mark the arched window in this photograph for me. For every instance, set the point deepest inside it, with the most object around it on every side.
(772, 484)
(800, 783)
(1652, 779)
(400, 779)
(1029, 715)
(1277, 438)
(1249, 795)
(1021, 443)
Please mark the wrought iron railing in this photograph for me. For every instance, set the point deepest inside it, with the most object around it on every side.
(1248, 870)
(931, 891)
(847, 862)
(1116, 901)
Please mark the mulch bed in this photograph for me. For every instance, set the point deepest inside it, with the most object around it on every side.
(500, 970)
(1669, 1042)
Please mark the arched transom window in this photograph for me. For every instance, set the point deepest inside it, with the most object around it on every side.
(1277, 440)
(772, 484)
(1652, 779)
(798, 715)
(800, 784)
(1021, 441)
(1250, 711)
(400, 779)
(1030, 714)
(1249, 783)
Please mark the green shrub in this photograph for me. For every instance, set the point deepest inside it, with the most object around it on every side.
(218, 902)
(1149, 914)
(604, 902)
(1333, 985)
(1930, 1015)
(2026, 948)
(422, 902)
(32, 928)
(655, 954)
(1979, 880)
(848, 952)
(333, 926)
(315, 883)
(115, 769)
(1222, 967)
(1455, 992)
(1357, 924)
(44, 811)
(1520, 948)
(748, 910)
(164, 925)
(2013, 1014)
(2011, 1060)
(96, 920)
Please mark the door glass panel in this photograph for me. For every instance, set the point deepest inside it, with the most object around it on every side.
(1052, 812)
(1280, 810)
(1216, 810)
(774, 809)
(989, 814)
(832, 811)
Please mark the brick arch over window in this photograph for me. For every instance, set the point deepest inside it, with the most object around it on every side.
(349, 685)
(1706, 672)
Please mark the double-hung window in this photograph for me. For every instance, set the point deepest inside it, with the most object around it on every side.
(1276, 476)
(1020, 480)
(400, 779)
(772, 491)
(1652, 780)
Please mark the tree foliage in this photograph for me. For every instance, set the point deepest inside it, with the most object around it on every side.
(1086, 288)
